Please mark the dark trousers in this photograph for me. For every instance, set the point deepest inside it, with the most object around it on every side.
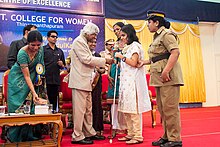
(53, 92)
(97, 110)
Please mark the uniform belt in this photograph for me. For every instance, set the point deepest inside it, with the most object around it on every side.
(160, 57)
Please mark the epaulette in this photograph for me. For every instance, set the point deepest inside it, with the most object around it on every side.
(168, 31)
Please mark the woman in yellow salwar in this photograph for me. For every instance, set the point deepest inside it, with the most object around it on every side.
(24, 85)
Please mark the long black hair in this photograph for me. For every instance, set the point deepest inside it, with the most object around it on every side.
(120, 24)
(34, 36)
(131, 33)
(161, 20)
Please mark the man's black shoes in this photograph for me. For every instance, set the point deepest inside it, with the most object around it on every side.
(172, 144)
(159, 142)
(89, 140)
(84, 141)
(96, 137)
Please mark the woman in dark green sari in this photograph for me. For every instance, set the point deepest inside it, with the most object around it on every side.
(118, 122)
(22, 86)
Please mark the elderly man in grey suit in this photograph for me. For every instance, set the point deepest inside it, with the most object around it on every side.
(80, 81)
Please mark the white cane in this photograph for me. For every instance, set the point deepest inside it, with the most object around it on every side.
(113, 105)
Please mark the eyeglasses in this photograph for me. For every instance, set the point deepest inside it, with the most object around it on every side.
(54, 36)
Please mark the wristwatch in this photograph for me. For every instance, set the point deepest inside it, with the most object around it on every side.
(123, 59)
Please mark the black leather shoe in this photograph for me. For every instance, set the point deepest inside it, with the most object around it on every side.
(159, 142)
(96, 137)
(84, 141)
(172, 144)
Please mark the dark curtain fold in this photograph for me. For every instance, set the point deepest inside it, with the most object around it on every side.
(130, 9)
(183, 10)
(208, 11)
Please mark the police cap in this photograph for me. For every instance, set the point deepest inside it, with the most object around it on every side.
(110, 41)
(153, 13)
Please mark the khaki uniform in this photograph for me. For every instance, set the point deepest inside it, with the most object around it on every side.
(168, 93)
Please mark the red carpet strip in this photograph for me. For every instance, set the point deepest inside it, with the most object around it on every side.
(200, 128)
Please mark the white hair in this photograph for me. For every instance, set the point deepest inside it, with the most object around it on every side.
(90, 28)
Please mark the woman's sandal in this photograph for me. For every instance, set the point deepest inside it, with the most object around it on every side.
(121, 132)
(134, 141)
(112, 136)
(124, 139)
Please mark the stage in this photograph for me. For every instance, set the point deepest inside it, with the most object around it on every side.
(200, 128)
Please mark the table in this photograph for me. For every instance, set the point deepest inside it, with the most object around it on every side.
(19, 120)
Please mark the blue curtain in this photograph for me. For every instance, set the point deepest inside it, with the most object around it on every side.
(183, 10)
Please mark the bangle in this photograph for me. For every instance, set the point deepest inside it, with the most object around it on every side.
(123, 59)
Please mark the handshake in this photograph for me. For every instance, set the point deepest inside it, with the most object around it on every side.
(109, 60)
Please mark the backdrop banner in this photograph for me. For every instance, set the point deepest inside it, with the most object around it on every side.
(68, 27)
(94, 7)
